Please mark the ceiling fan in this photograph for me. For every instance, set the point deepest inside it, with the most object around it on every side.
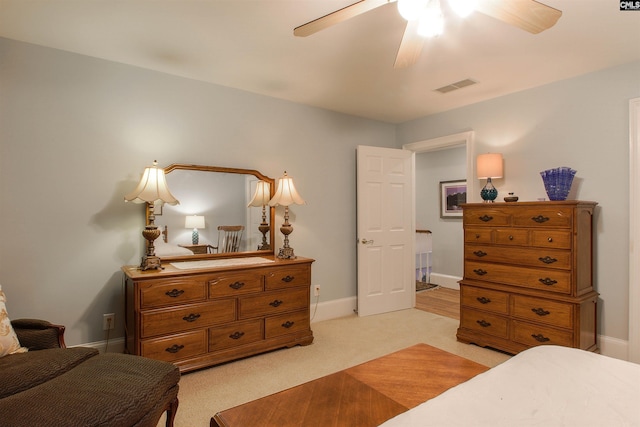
(424, 18)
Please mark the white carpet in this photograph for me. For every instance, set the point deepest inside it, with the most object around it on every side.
(338, 344)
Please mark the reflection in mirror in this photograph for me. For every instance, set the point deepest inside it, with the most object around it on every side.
(224, 197)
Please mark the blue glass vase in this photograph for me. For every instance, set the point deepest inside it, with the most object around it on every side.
(557, 182)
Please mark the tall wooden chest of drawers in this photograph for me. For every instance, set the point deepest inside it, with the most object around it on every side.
(204, 316)
(528, 275)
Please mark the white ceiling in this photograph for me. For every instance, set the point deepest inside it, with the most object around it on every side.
(249, 45)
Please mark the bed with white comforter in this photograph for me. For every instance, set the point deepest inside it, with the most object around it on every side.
(543, 386)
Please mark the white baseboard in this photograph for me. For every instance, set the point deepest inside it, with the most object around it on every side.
(613, 347)
(445, 280)
(333, 309)
(115, 345)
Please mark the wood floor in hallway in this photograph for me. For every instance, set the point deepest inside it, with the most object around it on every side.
(442, 301)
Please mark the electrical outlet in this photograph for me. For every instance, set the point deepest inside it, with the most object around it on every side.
(316, 290)
(108, 321)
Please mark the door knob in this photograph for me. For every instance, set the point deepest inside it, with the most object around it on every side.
(367, 242)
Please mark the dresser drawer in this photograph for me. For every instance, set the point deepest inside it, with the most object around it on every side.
(175, 347)
(556, 217)
(156, 293)
(485, 299)
(184, 318)
(487, 323)
(531, 335)
(286, 324)
(512, 236)
(234, 335)
(550, 280)
(551, 239)
(271, 303)
(288, 277)
(478, 235)
(236, 284)
(540, 310)
(534, 257)
(486, 216)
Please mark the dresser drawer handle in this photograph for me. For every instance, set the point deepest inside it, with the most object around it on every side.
(485, 218)
(477, 236)
(479, 254)
(483, 300)
(275, 303)
(236, 285)
(174, 348)
(191, 318)
(174, 293)
(549, 239)
(288, 278)
(480, 272)
(540, 219)
(287, 324)
(236, 335)
(548, 260)
(547, 281)
(540, 338)
(510, 237)
(540, 311)
(483, 323)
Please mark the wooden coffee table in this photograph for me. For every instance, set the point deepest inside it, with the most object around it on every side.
(364, 395)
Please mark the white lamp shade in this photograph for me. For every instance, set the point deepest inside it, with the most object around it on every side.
(194, 221)
(489, 165)
(286, 193)
(152, 187)
(262, 195)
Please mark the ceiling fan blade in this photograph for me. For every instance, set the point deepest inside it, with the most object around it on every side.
(410, 47)
(528, 15)
(338, 16)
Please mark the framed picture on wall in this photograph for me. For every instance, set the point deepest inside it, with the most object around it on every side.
(452, 195)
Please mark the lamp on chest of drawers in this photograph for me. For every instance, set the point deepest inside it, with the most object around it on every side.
(261, 199)
(286, 195)
(489, 166)
(151, 189)
(194, 222)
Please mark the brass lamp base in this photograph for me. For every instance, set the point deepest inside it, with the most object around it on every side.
(286, 253)
(150, 261)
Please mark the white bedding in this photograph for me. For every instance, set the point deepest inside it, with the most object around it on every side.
(163, 249)
(543, 386)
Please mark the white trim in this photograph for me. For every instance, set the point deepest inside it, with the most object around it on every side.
(634, 230)
(333, 309)
(451, 141)
(116, 345)
(446, 280)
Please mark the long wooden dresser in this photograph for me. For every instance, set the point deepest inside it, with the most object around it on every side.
(219, 311)
(528, 275)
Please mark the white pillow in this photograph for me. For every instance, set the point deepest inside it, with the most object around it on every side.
(9, 343)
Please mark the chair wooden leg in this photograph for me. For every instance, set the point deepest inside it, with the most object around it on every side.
(172, 408)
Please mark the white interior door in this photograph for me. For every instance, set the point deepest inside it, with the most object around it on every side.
(386, 222)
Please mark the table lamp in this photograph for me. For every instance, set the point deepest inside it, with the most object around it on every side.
(194, 222)
(489, 166)
(286, 195)
(261, 198)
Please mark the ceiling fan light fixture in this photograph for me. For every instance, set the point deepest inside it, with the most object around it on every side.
(431, 22)
(463, 8)
(411, 9)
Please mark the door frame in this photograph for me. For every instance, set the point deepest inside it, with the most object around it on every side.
(452, 141)
(633, 351)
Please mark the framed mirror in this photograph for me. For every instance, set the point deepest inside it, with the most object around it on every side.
(219, 197)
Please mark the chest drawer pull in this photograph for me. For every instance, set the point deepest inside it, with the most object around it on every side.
(540, 338)
(236, 335)
(191, 318)
(288, 324)
(288, 278)
(236, 285)
(549, 239)
(174, 293)
(275, 303)
(547, 281)
(548, 260)
(540, 311)
(480, 272)
(483, 323)
(480, 254)
(540, 219)
(483, 300)
(485, 218)
(174, 348)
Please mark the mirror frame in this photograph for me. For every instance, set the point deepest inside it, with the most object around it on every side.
(272, 211)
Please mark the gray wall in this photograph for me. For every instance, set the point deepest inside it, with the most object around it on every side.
(432, 168)
(75, 135)
(582, 123)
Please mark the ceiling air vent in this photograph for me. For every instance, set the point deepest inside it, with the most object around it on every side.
(456, 86)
